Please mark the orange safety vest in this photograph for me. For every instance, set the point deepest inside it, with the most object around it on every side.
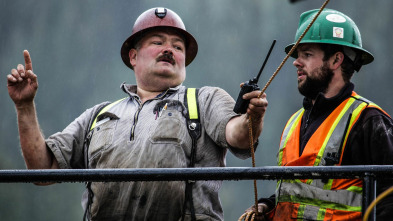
(333, 199)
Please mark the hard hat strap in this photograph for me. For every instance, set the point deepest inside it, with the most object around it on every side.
(355, 58)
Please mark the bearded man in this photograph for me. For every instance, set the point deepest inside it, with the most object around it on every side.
(335, 127)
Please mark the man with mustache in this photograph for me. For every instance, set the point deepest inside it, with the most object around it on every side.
(147, 129)
(335, 127)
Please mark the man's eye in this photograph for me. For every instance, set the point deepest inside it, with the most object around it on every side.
(179, 48)
(157, 42)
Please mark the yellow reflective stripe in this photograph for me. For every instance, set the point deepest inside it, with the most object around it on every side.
(328, 185)
(277, 190)
(378, 107)
(307, 212)
(356, 189)
(295, 115)
(374, 105)
(292, 181)
(279, 163)
(355, 114)
(319, 203)
(292, 123)
(103, 111)
(300, 211)
(357, 96)
(321, 214)
(369, 103)
(192, 103)
(329, 134)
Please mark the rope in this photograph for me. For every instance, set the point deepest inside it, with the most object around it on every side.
(253, 162)
(246, 216)
(263, 91)
(374, 203)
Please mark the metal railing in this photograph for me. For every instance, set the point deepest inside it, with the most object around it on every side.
(370, 174)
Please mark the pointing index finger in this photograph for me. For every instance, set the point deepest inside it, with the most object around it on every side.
(28, 63)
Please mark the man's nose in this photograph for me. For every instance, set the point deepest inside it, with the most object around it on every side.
(297, 63)
(168, 50)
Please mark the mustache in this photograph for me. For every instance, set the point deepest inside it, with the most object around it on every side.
(166, 57)
(301, 70)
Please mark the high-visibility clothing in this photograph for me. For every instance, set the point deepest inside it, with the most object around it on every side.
(330, 199)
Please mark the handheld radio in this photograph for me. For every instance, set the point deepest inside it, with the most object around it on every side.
(251, 85)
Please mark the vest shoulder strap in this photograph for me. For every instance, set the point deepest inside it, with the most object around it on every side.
(192, 117)
(194, 129)
(103, 110)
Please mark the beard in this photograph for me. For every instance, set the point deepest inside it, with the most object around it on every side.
(317, 82)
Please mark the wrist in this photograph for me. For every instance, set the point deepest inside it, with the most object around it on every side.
(25, 107)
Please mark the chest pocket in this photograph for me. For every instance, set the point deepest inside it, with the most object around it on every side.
(170, 127)
(103, 133)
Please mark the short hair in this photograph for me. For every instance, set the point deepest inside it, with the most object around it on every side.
(347, 66)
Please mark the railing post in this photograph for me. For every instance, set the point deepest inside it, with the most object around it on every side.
(369, 194)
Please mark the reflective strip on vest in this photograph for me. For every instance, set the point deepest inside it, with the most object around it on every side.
(192, 103)
(292, 122)
(335, 135)
(308, 212)
(298, 192)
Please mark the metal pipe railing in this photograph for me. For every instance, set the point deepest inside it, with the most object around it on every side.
(370, 175)
(369, 193)
(205, 173)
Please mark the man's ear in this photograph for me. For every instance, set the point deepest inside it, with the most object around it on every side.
(338, 59)
(132, 55)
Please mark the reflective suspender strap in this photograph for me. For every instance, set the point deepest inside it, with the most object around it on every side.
(192, 103)
(103, 110)
(192, 118)
(194, 129)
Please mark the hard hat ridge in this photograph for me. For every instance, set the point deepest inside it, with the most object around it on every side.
(333, 27)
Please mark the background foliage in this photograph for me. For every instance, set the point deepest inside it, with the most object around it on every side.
(75, 49)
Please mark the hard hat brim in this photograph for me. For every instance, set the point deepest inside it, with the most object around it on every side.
(366, 58)
(129, 43)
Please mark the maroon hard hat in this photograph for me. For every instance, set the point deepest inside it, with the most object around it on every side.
(155, 18)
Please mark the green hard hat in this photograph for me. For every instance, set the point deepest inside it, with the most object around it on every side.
(332, 27)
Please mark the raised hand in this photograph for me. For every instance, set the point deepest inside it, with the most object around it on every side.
(22, 83)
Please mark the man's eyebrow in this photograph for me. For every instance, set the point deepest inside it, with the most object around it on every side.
(179, 39)
(157, 35)
(176, 39)
(306, 48)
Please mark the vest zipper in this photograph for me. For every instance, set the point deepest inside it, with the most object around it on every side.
(135, 119)
(308, 118)
(132, 134)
